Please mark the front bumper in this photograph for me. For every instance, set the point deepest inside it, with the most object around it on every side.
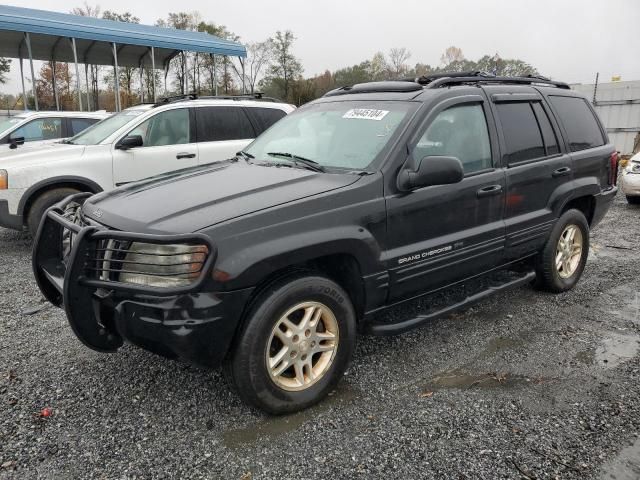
(191, 323)
(630, 184)
(8, 220)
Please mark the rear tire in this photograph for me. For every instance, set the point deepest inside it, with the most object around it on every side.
(295, 345)
(43, 202)
(561, 262)
(633, 200)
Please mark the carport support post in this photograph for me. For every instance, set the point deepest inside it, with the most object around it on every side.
(27, 39)
(115, 76)
(75, 60)
(24, 91)
(55, 83)
(243, 77)
(215, 74)
(153, 70)
(86, 81)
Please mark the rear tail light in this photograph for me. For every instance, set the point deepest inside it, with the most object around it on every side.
(613, 168)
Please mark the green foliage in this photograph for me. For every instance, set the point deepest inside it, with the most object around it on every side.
(285, 68)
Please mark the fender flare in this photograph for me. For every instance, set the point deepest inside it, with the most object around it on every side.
(250, 266)
(91, 186)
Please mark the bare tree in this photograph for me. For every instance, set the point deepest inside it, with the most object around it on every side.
(452, 55)
(259, 55)
(87, 10)
(398, 61)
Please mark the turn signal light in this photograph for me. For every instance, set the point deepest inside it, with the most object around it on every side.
(4, 180)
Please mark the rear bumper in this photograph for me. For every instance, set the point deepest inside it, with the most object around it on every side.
(7, 220)
(603, 203)
(190, 323)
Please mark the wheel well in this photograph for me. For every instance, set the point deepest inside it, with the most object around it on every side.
(585, 204)
(52, 186)
(342, 268)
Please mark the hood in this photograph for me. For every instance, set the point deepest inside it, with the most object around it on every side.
(38, 154)
(192, 199)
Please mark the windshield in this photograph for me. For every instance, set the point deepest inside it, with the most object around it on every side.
(7, 123)
(101, 130)
(347, 135)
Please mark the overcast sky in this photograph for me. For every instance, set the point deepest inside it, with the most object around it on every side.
(568, 40)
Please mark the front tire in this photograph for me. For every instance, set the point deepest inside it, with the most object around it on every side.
(561, 262)
(633, 200)
(42, 204)
(295, 345)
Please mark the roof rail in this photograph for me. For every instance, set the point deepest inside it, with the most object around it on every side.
(175, 98)
(194, 96)
(445, 79)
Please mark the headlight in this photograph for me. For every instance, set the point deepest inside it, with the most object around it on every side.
(633, 167)
(161, 265)
(4, 180)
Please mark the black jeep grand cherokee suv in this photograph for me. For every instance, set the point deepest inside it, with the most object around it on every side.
(376, 194)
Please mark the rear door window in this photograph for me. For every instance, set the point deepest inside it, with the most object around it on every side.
(263, 118)
(579, 122)
(80, 124)
(522, 136)
(216, 124)
(548, 135)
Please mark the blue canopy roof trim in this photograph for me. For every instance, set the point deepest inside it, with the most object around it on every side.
(94, 36)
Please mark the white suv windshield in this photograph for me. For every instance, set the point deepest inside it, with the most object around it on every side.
(101, 130)
(346, 135)
(7, 123)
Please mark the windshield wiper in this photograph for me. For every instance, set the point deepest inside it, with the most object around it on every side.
(298, 160)
(67, 142)
(244, 154)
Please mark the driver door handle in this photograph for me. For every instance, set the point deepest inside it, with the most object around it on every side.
(185, 155)
(489, 191)
(561, 172)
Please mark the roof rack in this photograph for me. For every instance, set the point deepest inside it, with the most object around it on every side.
(448, 79)
(194, 96)
(373, 87)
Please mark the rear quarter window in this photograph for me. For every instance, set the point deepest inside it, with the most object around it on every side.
(583, 130)
(221, 123)
(263, 118)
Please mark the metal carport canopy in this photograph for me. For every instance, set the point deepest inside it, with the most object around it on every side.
(95, 37)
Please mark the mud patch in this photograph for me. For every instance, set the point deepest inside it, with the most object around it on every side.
(457, 379)
(273, 427)
(587, 357)
(617, 348)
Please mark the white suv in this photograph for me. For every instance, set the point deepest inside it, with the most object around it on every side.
(137, 143)
(39, 128)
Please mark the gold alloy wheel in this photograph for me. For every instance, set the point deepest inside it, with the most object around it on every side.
(569, 251)
(302, 346)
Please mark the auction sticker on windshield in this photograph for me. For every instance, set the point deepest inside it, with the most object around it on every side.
(366, 113)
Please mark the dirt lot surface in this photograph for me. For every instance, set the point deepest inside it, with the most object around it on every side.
(524, 385)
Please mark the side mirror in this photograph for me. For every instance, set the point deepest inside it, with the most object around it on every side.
(431, 170)
(15, 141)
(130, 141)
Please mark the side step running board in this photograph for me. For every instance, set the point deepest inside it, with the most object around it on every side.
(406, 325)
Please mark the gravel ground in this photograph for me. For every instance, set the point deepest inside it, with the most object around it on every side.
(525, 385)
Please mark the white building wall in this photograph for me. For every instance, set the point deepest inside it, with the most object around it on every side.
(618, 105)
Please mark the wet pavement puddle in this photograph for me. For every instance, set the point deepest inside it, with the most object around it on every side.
(273, 427)
(626, 466)
(617, 348)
